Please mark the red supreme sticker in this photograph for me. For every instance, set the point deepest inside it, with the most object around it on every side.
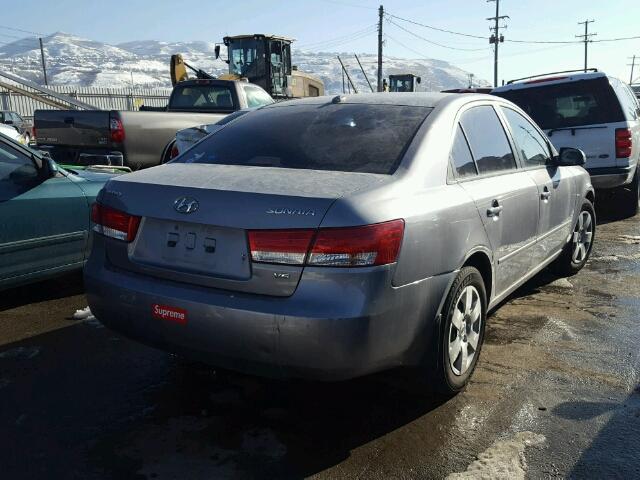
(171, 314)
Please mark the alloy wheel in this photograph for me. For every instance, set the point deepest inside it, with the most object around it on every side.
(582, 237)
(464, 330)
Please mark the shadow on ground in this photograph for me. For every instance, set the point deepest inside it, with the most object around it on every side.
(615, 451)
(60, 287)
(99, 406)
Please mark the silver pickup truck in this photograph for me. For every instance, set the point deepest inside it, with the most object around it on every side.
(140, 139)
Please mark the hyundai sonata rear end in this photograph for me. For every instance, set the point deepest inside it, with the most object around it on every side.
(254, 250)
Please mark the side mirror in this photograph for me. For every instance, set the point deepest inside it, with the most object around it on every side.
(217, 51)
(50, 166)
(569, 157)
(8, 122)
(419, 79)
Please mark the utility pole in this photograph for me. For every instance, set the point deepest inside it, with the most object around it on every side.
(364, 73)
(350, 84)
(381, 17)
(586, 39)
(496, 38)
(44, 66)
(632, 65)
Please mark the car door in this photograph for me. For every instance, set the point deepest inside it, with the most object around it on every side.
(556, 185)
(506, 197)
(44, 221)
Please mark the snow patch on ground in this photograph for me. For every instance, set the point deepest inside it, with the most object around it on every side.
(86, 315)
(504, 459)
(561, 283)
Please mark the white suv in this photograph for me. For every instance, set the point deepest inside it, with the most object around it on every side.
(591, 111)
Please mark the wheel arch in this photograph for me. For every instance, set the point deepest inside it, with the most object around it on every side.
(591, 196)
(480, 259)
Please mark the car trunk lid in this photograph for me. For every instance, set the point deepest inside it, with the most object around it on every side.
(195, 220)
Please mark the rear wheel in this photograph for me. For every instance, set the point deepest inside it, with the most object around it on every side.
(461, 332)
(577, 251)
(630, 197)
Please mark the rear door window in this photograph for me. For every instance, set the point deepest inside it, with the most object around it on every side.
(487, 140)
(338, 137)
(571, 104)
(461, 156)
(256, 97)
(532, 146)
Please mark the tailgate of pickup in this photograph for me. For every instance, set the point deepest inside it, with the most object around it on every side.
(78, 128)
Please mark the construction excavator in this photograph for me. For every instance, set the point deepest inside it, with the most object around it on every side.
(264, 60)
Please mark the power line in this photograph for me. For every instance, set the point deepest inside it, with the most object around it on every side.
(20, 30)
(436, 28)
(342, 38)
(435, 43)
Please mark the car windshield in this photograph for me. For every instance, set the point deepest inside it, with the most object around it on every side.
(201, 97)
(338, 137)
(572, 104)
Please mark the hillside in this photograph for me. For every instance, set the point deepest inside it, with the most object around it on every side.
(72, 60)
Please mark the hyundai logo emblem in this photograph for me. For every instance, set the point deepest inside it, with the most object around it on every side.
(185, 205)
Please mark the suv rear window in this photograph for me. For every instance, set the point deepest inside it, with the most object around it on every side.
(339, 137)
(573, 104)
(201, 97)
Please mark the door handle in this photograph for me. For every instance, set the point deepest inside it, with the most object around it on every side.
(545, 194)
(495, 209)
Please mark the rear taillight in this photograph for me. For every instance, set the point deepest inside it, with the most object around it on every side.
(116, 130)
(114, 223)
(280, 246)
(367, 245)
(623, 143)
(174, 151)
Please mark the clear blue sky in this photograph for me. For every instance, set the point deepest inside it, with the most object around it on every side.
(317, 23)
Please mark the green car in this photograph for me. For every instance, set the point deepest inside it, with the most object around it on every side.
(45, 214)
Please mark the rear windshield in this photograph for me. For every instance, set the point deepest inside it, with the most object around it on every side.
(338, 137)
(574, 104)
(201, 97)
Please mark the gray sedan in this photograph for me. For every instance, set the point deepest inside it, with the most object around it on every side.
(329, 238)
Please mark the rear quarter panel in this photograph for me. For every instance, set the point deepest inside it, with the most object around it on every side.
(442, 223)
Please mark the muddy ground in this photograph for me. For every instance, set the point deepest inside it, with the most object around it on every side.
(556, 395)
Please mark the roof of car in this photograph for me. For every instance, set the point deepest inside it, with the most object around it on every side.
(417, 99)
(549, 79)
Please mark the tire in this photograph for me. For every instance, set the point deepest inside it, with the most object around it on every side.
(577, 251)
(461, 333)
(630, 197)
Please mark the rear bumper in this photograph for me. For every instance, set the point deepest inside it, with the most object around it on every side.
(84, 156)
(611, 177)
(335, 328)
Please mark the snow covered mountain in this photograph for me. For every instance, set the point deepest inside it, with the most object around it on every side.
(72, 60)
